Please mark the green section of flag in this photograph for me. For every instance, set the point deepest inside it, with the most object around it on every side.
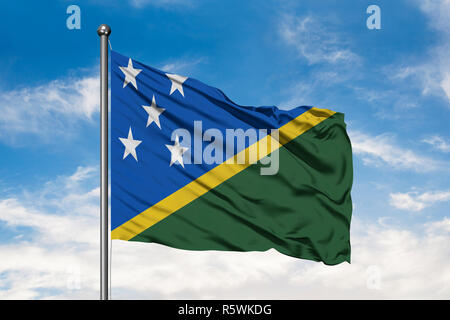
(303, 211)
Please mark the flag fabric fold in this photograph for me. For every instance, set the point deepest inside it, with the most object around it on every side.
(193, 170)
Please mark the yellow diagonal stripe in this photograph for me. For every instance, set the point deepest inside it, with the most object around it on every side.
(219, 174)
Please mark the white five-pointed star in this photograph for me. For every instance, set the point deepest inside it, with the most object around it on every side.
(153, 113)
(176, 152)
(130, 74)
(130, 145)
(177, 83)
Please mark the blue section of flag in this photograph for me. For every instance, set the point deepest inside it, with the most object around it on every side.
(138, 184)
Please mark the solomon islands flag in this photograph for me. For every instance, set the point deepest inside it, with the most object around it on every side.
(193, 170)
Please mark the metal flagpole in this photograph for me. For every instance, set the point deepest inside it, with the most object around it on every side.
(104, 31)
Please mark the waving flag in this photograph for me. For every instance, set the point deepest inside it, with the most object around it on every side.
(193, 170)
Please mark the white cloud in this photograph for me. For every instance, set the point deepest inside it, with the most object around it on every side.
(445, 84)
(405, 201)
(82, 173)
(61, 209)
(310, 91)
(61, 259)
(181, 65)
(388, 263)
(314, 41)
(432, 75)
(439, 227)
(414, 201)
(438, 143)
(319, 44)
(382, 150)
(439, 13)
(432, 197)
(47, 109)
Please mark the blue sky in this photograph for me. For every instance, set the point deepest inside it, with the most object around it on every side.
(392, 84)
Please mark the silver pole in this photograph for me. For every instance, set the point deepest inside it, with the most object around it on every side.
(104, 31)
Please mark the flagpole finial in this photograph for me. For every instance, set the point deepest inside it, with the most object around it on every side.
(104, 29)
